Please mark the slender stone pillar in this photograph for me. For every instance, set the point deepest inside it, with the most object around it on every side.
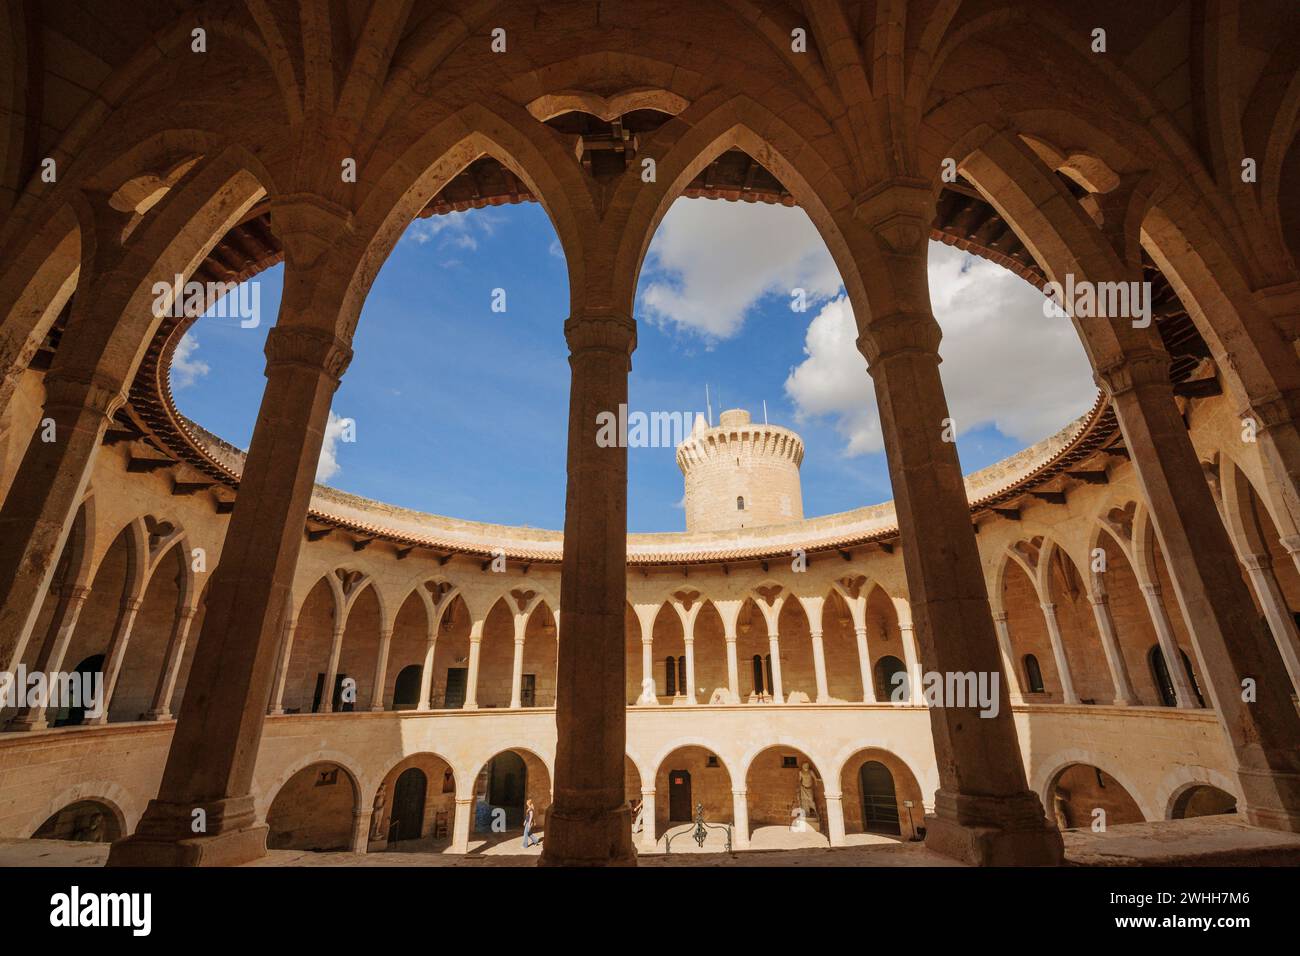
(1068, 694)
(381, 670)
(733, 667)
(160, 709)
(426, 672)
(52, 654)
(1124, 693)
(462, 821)
(1291, 543)
(774, 649)
(1259, 567)
(332, 668)
(361, 820)
(740, 814)
(282, 671)
(1010, 667)
(1232, 643)
(116, 654)
(647, 841)
(835, 819)
(985, 812)
(517, 668)
(913, 661)
(214, 747)
(649, 690)
(588, 822)
(819, 667)
(1183, 692)
(864, 665)
(690, 670)
(471, 678)
(43, 499)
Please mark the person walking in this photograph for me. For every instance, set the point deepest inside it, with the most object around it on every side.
(529, 839)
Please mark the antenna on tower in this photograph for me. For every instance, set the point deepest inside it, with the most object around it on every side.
(708, 405)
(765, 411)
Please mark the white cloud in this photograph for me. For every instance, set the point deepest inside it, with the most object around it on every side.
(186, 369)
(1004, 363)
(453, 230)
(712, 261)
(328, 465)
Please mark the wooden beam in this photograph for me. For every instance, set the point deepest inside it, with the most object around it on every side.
(225, 507)
(317, 533)
(1117, 451)
(1199, 388)
(190, 487)
(147, 465)
(1053, 497)
(115, 436)
(403, 553)
(362, 544)
(1011, 514)
(1098, 477)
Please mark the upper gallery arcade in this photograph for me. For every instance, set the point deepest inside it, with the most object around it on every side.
(1125, 578)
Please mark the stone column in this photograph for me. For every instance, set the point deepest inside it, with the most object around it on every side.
(985, 812)
(517, 667)
(1186, 696)
(1259, 567)
(648, 841)
(461, 823)
(1231, 642)
(1010, 666)
(53, 651)
(835, 819)
(332, 668)
(774, 649)
(649, 690)
(588, 822)
(819, 666)
(116, 654)
(282, 672)
(864, 665)
(471, 678)
(690, 670)
(426, 672)
(44, 497)
(1291, 543)
(1124, 694)
(913, 661)
(361, 820)
(733, 665)
(171, 669)
(214, 747)
(1058, 653)
(740, 814)
(381, 669)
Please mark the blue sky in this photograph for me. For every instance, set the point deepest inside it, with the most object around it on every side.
(461, 410)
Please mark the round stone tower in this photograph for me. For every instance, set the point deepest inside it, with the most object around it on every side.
(740, 474)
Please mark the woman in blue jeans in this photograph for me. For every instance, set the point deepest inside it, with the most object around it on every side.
(529, 839)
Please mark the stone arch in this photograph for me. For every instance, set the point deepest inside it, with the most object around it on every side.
(449, 680)
(1181, 779)
(1076, 789)
(862, 813)
(541, 655)
(1067, 589)
(1201, 799)
(125, 807)
(437, 812)
(365, 619)
(699, 780)
(771, 788)
(315, 621)
(1020, 599)
(311, 809)
(496, 785)
(496, 655)
(408, 648)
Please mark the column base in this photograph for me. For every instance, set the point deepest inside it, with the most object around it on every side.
(22, 723)
(1272, 799)
(588, 838)
(165, 837)
(993, 831)
(157, 715)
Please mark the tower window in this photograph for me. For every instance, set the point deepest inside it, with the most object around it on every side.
(740, 504)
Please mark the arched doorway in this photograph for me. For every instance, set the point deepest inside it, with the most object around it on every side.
(503, 786)
(688, 777)
(407, 821)
(406, 689)
(879, 801)
(313, 810)
(782, 811)
(1082, 795)
(91, 670)
(1202, 800)
(86, 821)
(891, 679)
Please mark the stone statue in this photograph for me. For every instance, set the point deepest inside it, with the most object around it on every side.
(377, 813)
(807, 802)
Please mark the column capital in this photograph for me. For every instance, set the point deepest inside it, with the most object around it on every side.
(132, 605)
(78, 593)
(314, 349)
(1000, 616)
(1048, 607)
(898, 334)
(66, 389)
(603, 332)
(898, 212)
(1257, 562)
(1269, 411)
(1291, 542)
(1140, 368)
(186, 614)
(1099, 599)
(309, 225)
(1152, 588)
